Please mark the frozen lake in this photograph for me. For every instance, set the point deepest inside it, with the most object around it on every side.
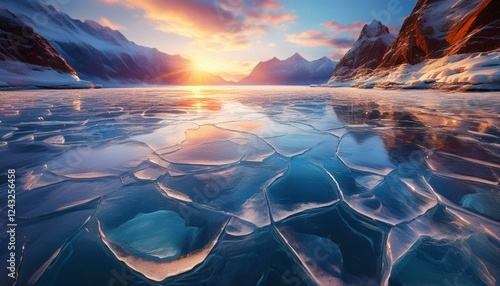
(253, 186)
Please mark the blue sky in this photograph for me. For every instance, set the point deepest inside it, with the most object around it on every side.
(229, 37)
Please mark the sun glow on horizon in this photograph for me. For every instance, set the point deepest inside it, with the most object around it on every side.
(229, 70)
(209, 65)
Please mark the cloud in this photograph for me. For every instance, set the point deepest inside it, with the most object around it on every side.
(319, 38)
(342, 43)
(229, 23)
(394, 30)
(271, 45)
(339, 28)
(336, 56)
(268, 4)
(106, 22)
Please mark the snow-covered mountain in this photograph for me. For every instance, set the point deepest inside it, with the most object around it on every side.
(366, 53)
(446, 44)
(294, 70)
(103, 55)
(19, 42)
(27, 59)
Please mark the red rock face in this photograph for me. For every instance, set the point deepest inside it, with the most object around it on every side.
(438, 28)
(19, 42)
(479, 31)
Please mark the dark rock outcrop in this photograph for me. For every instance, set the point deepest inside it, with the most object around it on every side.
(18, 42)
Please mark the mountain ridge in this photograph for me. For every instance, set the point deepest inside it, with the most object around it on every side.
(18, 42)
(104, 55)
(28, 60)
(293, 70)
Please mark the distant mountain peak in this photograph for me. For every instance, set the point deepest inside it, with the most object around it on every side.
(374, 29)
(324, 59)
(375, 24)
(296, 56)
(294, 70)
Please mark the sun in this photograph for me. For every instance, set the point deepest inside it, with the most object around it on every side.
(208, 65)
(199, 66)
(227, 69)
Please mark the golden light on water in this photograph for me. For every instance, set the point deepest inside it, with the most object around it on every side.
(198, 106)
(77, 104)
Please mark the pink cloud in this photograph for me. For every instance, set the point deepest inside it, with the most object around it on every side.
(336, 56)
(271, 18)
(339, 28)
(223, 22)
(394, 30)
(268, 4)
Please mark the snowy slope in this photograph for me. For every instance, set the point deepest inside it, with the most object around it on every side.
(294, 70)
(104, 55)
(465, 72)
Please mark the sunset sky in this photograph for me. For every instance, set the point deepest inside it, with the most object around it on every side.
(229, 37)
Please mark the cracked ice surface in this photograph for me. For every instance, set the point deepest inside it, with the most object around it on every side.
(253, 186)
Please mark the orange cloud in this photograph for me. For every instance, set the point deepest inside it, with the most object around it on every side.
(336, 56)
(229, 23)
(107, 23)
